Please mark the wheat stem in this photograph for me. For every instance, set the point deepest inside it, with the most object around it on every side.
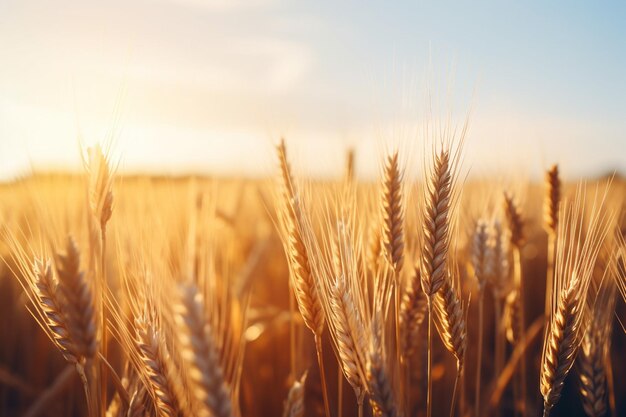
(429, 392)
(517, 274)
(320, 362)
(481, 303)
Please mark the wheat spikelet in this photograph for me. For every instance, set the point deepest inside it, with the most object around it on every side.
(393, 213)
(55, 319)
(198, 348)
(80, 303)
(413, 311)
(294, 405)
(436, 224)
(515, 220)
(303, 282)
(552, 199)
(451, 321)
(157, 366)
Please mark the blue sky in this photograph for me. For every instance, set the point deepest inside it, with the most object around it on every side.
(195, 85)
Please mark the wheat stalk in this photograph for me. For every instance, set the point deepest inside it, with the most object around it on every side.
(100, 195)
(302, 281)
(436, 241)
(516, 228)
(552, 200)
(577, 251)
(480, 259)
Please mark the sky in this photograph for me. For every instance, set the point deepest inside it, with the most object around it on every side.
(208, 86)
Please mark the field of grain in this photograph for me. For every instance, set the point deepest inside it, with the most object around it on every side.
(429, 295)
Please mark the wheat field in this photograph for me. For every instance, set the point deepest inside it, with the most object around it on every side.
(427, 295)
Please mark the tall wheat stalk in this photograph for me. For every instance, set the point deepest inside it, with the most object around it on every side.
(436, 241)
(516, 225)
(578, 245)
(393, 235)
(302, 281)
(480, 260)
(100, 195)
(551, 203)
(499, 280)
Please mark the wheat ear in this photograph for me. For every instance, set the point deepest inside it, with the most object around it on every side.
(349, 335)
(80, 303)
(436, 225)
(551, 203)
(206, 382)
(157, 366)
(552, 199)
(451, 321)
(380, 389)
(53, 313)
(561, 347)
(294, 405)
(515, 220)
(303, 282)
(592, 374)
(393, 213)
